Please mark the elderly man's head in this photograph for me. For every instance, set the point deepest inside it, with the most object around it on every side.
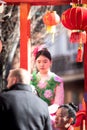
(18, 75)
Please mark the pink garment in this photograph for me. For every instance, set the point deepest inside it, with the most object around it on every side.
(59, 94)
(59, 100)
(59, 91)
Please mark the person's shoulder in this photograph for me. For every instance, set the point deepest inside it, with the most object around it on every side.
(57, 77)
(3, 95)
(40, 101)
(4, 90)
(33, 89)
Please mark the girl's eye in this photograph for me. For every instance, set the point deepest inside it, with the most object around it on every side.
(38, 62)
(60, 116)
(45, 61)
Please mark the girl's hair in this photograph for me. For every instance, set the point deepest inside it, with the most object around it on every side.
(44, 52)
(72, 109)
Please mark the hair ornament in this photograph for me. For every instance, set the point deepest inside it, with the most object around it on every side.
(37, 49)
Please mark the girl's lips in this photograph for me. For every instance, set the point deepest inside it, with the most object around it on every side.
(41, 68)
(56, 122)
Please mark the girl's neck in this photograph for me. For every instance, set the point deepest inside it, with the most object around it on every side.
(46, 74)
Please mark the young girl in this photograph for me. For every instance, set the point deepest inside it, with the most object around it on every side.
(66, 117)
(49, 86)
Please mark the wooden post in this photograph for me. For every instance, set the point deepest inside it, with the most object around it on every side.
(24, 36)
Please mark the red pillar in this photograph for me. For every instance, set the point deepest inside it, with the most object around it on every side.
(85, 76)
(25, 46)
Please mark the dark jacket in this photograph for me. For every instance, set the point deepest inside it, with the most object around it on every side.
(20, 109)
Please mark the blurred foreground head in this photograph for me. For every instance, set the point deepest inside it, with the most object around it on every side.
(18, 75)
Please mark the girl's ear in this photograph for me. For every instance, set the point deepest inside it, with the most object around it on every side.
(70, 120)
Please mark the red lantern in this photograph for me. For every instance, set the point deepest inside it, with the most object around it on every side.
(78, 37)
(75, 18)
(51, 18)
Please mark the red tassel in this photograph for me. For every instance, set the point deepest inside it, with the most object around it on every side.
(79, 57)
(77, 37)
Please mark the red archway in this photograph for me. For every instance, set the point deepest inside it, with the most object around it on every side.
(25, 24)
(25, 31)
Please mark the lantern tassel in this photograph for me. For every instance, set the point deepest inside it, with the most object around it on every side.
(52, 30)
(79, 57)
(52, 37)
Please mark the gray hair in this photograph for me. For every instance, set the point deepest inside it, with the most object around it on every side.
(21, 74)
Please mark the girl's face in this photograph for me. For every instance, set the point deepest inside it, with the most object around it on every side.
(62, 120)
(43, 64)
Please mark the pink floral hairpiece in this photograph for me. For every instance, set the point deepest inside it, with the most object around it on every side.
(37, 49)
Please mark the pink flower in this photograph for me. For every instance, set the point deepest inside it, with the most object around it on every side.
(42, 85)
(48, 94)
(35, 51)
